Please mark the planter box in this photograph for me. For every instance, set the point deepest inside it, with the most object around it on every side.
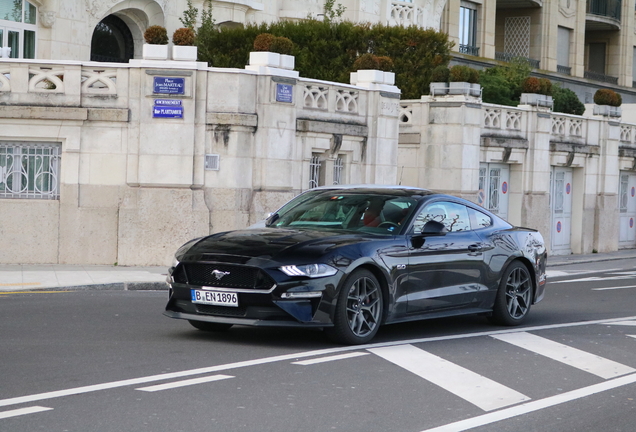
(389, 78)
(536, 99)
(184, 53)
(264, 58)
(475, 90)
(155, 52)
(371, 76)
(438, 88)
(607, 110)
(458, 88)
(287, 61)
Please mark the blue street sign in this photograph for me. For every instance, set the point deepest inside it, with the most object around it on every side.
(167, 112)
(284, 93)
(165, 85)
(168, 102)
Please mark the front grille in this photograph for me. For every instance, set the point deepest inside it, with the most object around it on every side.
(231, 276)
(221, 310)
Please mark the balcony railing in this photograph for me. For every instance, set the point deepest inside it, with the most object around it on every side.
(600, 77)
(567, 70)
(502, 56)
(469, 49)
(606, 8)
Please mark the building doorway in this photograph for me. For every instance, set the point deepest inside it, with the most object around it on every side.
(627, 210)
(494, 188)
(561, 206)
(112, 41)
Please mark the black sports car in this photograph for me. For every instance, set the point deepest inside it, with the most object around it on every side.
(348, 260)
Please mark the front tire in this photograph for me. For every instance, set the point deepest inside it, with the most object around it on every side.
(514, 296)
(358, 310)
(209, 326)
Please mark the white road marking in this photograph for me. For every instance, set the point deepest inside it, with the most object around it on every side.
(634, 336)
(23, 411)
(285, 357)
(184, 383)
(613, 288)
(330, 358)
(537, 405)
(470, 386)
(568, 355)
(623, 323)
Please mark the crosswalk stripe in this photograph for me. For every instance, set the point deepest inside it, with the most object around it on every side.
(623, 323)
(470, 386)
(568, 355)
(330, 358)
(184, 383)
(23, 411)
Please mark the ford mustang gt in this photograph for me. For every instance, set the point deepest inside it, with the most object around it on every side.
(349, 260)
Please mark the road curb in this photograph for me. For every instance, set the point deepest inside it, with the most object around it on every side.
(116, 286)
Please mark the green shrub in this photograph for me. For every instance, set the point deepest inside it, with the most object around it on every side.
(440, 74)
(385, 63)
(183, 36)
(474, 76)
(607, 97)
(282, 45)
(327, 50)
(531, 85)
(263, 42)
(156, 35)
(545, 86)
(459, 73)
(566, 101)
(366, 61)
(496, 89)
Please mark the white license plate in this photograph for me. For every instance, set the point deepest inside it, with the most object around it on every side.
(216, 298)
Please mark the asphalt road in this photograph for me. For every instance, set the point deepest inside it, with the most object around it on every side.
(109, 361)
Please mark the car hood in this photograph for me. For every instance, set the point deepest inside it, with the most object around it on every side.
(272, 243)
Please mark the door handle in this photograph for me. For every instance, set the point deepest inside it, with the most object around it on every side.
(476, 247)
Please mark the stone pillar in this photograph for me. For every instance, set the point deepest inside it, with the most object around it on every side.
(606, 223)
(450, 144)
(535, 211)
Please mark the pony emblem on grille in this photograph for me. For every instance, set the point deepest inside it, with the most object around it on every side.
(218, 274)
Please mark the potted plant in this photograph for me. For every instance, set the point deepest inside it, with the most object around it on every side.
(607, 103)
(262, 55)
(156, 46)
(184, 47)
(473, 80)
(439, 80)
(283, 46)
(367, 69)
(458, 80)
(536, 92)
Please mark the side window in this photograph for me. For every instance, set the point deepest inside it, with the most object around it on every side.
(478, 219)
(454, 216)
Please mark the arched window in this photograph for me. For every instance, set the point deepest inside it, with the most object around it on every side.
(112, 41)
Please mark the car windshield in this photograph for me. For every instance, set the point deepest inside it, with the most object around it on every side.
(341, 210)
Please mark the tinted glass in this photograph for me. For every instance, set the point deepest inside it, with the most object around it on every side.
(11, 10)
(479, 219)
(454, 216)
(29, 13)
(29, 44)
(338, 210)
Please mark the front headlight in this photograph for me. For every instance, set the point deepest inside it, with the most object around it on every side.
(309, 270)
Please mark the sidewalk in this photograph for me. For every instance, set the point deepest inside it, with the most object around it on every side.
(21, 277)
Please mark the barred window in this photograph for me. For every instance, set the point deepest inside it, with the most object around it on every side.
(338, 167)
(314, 171)
(29, 170)
(622, 194)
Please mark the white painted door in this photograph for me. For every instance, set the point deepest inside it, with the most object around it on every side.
(561, 205)
(627, 210)
(494, 188)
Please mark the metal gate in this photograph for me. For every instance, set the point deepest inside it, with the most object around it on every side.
(561, 206)
(627, 210)
(494, 188)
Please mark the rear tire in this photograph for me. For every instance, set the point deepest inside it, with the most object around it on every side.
(209, 326)
(514, 296)
(358, 309)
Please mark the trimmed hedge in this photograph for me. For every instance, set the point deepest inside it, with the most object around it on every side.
(566, 101)
(607, 97)
(327, 51)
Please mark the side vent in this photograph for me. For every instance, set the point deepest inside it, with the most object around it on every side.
(212, 162)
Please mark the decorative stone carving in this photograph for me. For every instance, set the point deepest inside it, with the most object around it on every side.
(47, 18)
(567, 8)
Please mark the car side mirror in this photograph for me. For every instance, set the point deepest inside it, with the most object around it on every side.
(434, 228)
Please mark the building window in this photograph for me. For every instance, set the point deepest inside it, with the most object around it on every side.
(563, 50)
(622, 194)
(338, 170)
(29, 170)
(112, 41)
(314, 171)
(18, 27)
(468, 28)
